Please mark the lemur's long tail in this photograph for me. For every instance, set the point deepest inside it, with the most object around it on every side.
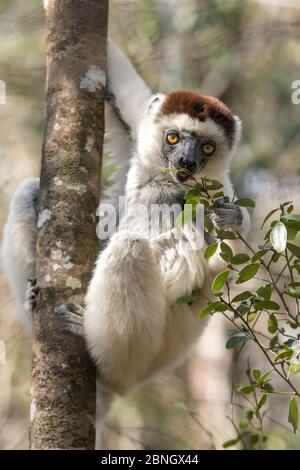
(18, 245)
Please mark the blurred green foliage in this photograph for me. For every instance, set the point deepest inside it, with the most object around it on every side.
(245, 51)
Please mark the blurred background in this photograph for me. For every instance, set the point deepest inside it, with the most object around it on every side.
(246, 52)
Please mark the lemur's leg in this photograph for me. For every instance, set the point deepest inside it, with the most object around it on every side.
(18, 247)
(125, 313)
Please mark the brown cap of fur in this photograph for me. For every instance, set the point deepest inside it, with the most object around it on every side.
(200, 107)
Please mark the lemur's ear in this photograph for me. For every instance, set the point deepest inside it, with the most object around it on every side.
(155, 103)
(238, 128)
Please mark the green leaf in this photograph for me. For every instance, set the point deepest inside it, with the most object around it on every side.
(295, 293)
(236, 339)
(267, 387)
(256, 374)
(231, 442)
(248, 272)
(283, 355)
(294, 369)
(211, 308)
(263, 377)
(292, 220)
(247, 389)
(293, 414)
(208, 225)
(261, 403)
(267, 305)
(220, 280)
(210, 250)
(240, 258)
(226, 251)
(213, 185)
(245, 202)
(186, 216)
(278, 237)
(242, 309)
(291, 233)
(192, 193)
(244, 423)
(218, 194)
(291, 217)
(225, 234)
(286, 204)
(181, 406)
(294, 249)
(259, 254)
(272, 324)
(204, 202)
(242, 296)
(268, 216)
(188, 298)
(275, 257)
(265, 291)
(254, 438)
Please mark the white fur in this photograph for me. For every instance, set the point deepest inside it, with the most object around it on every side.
(132, 100)
(132, 324)
(138, 328)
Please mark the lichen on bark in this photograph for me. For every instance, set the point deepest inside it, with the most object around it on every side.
(63, 376)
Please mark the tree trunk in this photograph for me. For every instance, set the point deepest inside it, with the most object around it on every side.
(63, 376)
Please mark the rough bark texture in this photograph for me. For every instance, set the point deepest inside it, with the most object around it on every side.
(63, 376)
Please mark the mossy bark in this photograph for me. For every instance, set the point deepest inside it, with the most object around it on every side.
(63, 375)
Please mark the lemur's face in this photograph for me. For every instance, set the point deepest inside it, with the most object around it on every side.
(187, 151)
(197, 133)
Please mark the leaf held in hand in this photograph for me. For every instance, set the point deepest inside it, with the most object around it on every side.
(245, 202)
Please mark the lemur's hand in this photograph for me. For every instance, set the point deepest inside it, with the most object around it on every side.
(31, 295)
(72, 318)
(226, 215)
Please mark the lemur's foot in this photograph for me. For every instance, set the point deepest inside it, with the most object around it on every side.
(72, 315)
(31, 295)
(226, 215)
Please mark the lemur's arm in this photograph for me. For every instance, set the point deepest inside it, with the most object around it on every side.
(126, 98)
(229, 216)
(127, 91)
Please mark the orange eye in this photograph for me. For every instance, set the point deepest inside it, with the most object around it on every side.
(173, 138)
(208, 148)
